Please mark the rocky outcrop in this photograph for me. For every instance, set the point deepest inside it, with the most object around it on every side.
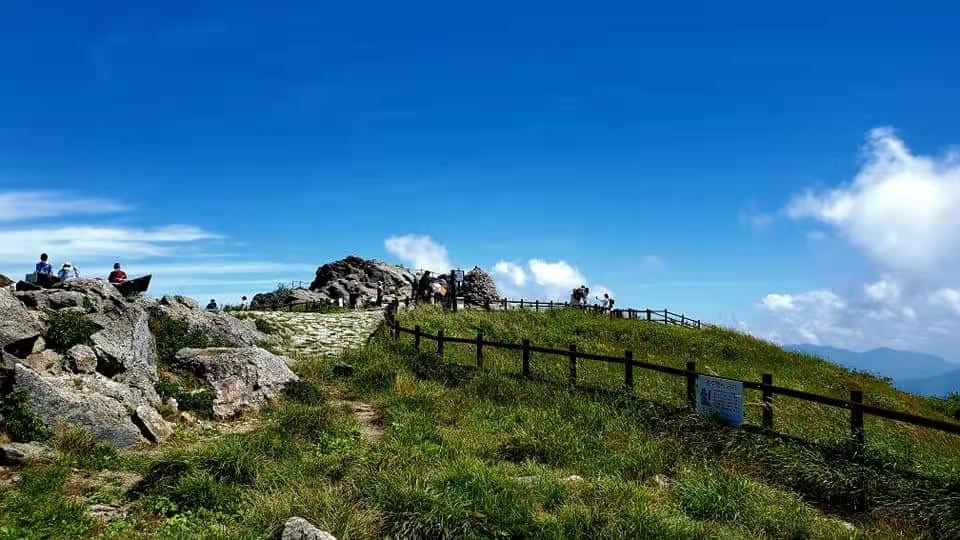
(333, 280)
(478, 288)
(63, 399)
(285, 297)
(297, 528)
(19, 328)
(105, 384)
(5, 281)
(219, 327)
(241, 378)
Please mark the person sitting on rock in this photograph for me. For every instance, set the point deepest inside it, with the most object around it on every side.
(43, 267)
(68, 271)
(118, 275)
(243, 303)
(212, 306)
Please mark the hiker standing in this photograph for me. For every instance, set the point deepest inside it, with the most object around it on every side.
(243, 303)
(380, 292)
(354, 297)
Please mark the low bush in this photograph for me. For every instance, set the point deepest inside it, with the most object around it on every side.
(68, 328)
(197, 401)
(173, 334)
(266, 326)
(303, 391)
(19, 422)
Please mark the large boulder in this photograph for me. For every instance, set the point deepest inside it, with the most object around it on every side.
(5, 281)
(125, 348)
(297, 528)
(333, 280)
(241, 378)
(79, 401)
(479, 288)
(220, 328)
(19, 328)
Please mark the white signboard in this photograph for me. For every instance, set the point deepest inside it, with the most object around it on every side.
(721, 398)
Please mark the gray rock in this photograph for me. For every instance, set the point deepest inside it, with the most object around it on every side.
(178, 301)
(17, 453)
(45, 361)
(82, 359)
(5, 281)
(342, 369)
(220, 328)
(151, 424)
(333, 280)
(242, 378)
(39, 345)
(104, 512)
(19, 328)
(479, 288)
(125, 348)
(59, 400)
(297, 528)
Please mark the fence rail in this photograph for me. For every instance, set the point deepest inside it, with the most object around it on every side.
(663, 316)
(854, 404)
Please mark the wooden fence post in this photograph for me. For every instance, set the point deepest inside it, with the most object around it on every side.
(536, 305)
(628, 370)
(486, 304)
(521, 303)
(767, 380)
(856, 417)
(573, 364)
(416, 337)
(440, 343)
(648, 315)
(480, 350)
(526, 357)
(692, 384)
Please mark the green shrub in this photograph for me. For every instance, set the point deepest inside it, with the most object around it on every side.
(265, 326)
(19, 422)
(198, 401)
(173, 334)
(68, 328)
(167, 388)
(303, 391)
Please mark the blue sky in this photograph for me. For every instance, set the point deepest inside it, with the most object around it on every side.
(736, 163)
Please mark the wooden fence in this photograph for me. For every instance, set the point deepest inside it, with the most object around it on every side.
(768, 390)
(662, 316)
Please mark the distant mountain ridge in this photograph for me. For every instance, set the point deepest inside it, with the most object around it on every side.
(915, 372)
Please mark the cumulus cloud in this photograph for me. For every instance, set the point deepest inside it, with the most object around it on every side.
(23, 205)
(901, 209)
(512, 273)
(541, 279)
(420, 252)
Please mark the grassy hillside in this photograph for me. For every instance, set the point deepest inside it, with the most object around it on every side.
(468, 454)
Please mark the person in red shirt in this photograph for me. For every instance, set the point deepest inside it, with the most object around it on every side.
(118, 275)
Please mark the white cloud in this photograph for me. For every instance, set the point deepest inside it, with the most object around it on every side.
(901, 209)
(419, 252)
(885, 291)
(513, 273)
(555, 274)
(948, 298)
(778, 302)
(94, 241)
(23, 205)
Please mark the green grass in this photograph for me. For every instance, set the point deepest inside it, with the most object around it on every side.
(485, 454)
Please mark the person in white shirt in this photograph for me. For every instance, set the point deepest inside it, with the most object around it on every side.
(68, 271)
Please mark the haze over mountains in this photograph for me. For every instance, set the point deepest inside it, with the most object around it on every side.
(915, 372)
